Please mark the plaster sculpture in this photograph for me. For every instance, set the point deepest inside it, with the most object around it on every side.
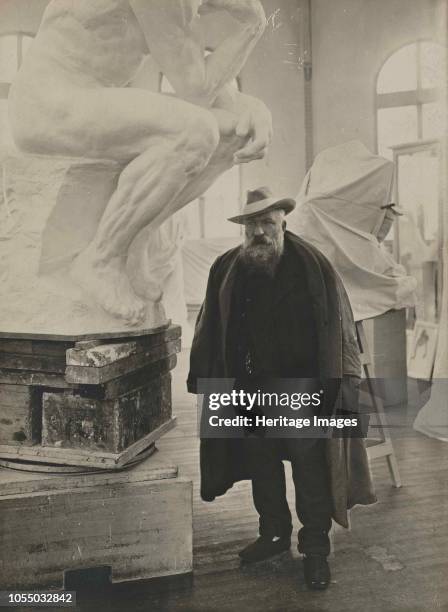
(73, 98)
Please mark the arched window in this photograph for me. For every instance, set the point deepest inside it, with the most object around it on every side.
(408, 96)
(411, 122)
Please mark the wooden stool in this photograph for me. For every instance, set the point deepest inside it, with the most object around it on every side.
(382, 447)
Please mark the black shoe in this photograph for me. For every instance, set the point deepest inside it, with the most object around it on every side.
(264, 548)
(317, 572)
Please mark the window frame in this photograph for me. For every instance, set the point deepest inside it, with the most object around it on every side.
(414, 97)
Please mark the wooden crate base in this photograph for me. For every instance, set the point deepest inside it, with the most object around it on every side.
(88, 403)
(85, 458)
(138, 522)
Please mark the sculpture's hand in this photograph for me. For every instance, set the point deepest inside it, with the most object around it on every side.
(254, 122)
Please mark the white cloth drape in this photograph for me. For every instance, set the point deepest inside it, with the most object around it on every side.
(339, 211)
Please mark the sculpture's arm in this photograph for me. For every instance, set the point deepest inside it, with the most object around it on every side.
(171, 30)
(253, 120)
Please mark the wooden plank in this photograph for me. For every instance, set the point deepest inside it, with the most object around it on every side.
(16, 346)
(89, 458)
(40, 363)
(35, 379)
(106, 354)
(14, 482)
(381, 449)
(50, 348)
(35, 347)
(134, 380)
(56, 469)
(84, 345)
(140, 529)
(122, 333)
(55, 347)
(158, 337)
(102, 355)
(74, 421)
(20, 415)
(136, 448)
(108, 390)
(98, 375)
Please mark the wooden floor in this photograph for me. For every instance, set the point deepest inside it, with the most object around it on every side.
(394, 558)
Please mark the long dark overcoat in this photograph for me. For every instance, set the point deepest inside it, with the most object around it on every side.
(222, 460)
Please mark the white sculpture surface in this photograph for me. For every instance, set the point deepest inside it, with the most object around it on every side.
(73, 99)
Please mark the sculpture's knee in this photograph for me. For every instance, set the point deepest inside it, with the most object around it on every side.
(199, 140)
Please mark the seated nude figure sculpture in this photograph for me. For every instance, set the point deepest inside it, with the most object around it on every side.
(71, 98)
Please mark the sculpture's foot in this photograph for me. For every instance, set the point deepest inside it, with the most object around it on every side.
(109, 285)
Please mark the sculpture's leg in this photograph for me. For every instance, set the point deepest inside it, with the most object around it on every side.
(220, 162)
(144, 269)
(173, 158)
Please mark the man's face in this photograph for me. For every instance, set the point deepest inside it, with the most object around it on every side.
(264, 240)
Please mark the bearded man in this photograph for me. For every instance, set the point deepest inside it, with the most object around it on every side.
(275, 308)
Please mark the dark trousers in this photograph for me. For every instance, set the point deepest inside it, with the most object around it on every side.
(312, 493)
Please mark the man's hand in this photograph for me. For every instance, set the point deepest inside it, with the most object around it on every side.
(255, 123)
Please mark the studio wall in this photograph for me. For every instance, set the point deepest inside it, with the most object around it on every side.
(274, 72)
(351, 39)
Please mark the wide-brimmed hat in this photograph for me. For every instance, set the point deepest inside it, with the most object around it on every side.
(261, 200)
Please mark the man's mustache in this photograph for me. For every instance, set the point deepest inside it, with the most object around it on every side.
(260, 240)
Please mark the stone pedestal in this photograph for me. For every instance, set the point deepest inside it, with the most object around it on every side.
(88, 403)
(137, 522)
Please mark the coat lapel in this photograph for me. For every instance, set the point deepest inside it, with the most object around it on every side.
(316, 284)
(286, 282)
(225, 300)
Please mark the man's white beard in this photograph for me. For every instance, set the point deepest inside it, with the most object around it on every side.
(263, 258)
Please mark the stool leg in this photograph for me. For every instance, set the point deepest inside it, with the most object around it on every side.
(392, 464)
(385, 447)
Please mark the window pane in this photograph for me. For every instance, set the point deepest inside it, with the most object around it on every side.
(433, 119)
(418, 189)
(8, 58)
(399, 72)
(396, 126)
(432, 61)
(418, 229)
